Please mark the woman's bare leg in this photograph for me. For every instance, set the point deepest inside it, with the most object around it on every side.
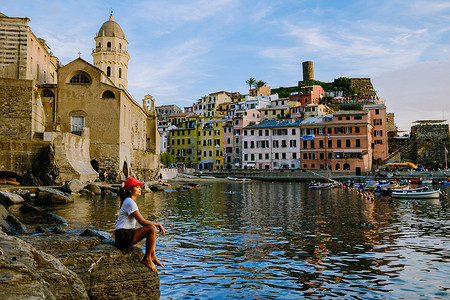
(149, 232)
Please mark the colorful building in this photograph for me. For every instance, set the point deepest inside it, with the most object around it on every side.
(210, 144)
(232, 136)
(182, 142)
(272, 144)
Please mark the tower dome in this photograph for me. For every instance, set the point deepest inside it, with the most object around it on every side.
(110, 53)
(111, 29)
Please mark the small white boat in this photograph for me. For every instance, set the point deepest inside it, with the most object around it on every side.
(238, 179)
(320, 186)
(416, 194)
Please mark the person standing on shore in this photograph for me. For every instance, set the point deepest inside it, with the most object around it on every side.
(125, 233)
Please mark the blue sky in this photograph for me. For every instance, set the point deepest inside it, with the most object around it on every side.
(183, 50)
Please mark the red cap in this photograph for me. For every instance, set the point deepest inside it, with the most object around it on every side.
(130, 182)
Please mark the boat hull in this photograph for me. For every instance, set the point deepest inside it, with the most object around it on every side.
(321, 186)
(416, 194)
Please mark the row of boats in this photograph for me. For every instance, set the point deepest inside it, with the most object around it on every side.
(394, 189)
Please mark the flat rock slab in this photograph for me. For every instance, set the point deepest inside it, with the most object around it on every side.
(106, 271)
(52, 196)
(7, 198)
(27, 273)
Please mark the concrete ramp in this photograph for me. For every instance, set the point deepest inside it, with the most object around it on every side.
(72, 156)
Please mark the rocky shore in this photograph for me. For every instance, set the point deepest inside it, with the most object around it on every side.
(46, 262)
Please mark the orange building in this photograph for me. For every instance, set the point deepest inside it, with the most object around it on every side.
(339, 142)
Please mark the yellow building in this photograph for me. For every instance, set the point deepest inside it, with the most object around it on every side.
(210, 144)
(182, 143)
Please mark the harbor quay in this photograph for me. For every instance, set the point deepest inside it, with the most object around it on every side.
(322, 175)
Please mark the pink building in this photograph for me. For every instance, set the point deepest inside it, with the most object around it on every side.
(379, 142)
(272, 144)
(308, 95)
(232, 136)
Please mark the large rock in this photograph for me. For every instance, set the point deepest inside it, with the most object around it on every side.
(52, 218)
(16, 224)
(52, 196)
(74, 186)
(7, 198)
(27, 207)
(27, 273)
(93, 188)
(25, 194)
(165, 187)
(106, 271)
(100, 234)
(3, 223)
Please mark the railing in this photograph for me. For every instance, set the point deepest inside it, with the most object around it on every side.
(410, 143)
(77, 130)
(109, 49)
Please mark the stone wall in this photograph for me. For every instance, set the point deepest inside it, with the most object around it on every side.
(363, 86)
(16, 109)
(431, 142)
(146, 164)
(17, 156)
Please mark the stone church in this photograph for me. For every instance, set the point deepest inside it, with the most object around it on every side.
(87, 114)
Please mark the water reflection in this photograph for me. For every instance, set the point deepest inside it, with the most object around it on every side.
(281, 240)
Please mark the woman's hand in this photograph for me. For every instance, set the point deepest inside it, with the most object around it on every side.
(160, 227)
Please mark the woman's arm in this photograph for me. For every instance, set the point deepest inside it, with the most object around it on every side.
(137, 215)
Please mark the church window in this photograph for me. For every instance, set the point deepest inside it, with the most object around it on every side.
(120, 72)
(108, 94)
(80, 78)
(108, 45)
(77, 125)
(99, 44)
(108, 71)
(120, 46)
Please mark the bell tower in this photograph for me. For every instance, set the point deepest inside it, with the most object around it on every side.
(110, 53)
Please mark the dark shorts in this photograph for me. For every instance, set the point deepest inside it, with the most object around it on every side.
(124, 238)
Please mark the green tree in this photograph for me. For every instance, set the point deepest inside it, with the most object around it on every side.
(166, 158)
(259, 84)
(342, 82)
(251, 82)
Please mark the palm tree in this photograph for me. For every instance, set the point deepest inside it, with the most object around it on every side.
(251, 82)
(259, 84)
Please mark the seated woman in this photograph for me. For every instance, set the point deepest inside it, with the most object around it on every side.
(125, 233)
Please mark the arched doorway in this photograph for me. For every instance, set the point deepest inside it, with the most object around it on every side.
(94, 164)
(346, 166)
(125, 169)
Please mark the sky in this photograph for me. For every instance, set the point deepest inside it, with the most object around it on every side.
(183, 50)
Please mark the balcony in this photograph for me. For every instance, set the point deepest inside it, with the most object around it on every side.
(110, 49)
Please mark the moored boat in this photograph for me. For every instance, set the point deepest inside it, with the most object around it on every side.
(238, 179)
(420, 193)
(320, 186)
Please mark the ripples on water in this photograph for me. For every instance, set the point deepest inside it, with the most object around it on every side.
(283, 241)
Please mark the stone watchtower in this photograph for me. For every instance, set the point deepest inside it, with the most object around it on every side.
(308, 71)
(110, 53)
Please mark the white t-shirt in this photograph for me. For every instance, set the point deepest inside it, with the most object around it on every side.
(125, 220)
